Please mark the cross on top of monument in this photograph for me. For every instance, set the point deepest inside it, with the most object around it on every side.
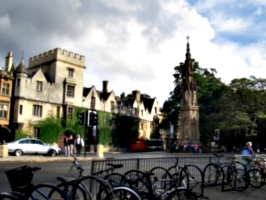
(187, 39)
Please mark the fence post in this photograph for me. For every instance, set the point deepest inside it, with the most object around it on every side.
(138, 161)
(176, 162)
(92, 167)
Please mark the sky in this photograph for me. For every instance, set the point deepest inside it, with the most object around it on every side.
(135, 44)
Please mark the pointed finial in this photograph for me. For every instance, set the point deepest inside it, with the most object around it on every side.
(187, 39)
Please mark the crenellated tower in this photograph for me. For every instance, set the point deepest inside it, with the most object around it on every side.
(189, 110)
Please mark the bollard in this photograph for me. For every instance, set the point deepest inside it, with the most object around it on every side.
(3, 151)
(100, 150)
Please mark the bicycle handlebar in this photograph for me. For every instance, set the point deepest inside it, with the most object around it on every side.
(77, 164)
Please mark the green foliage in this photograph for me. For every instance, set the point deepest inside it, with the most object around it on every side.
(104, 128)
(126, 129)
(51, 128)
(21, 134)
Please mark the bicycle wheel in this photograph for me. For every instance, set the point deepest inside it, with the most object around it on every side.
(238, 179)
(255, 178)
(211, 174)
(93, 186)
(80, 193)
(124, 193)
(42, 191)
(181, 194)
(8, 196)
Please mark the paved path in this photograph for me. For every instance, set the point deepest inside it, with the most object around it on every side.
(213, 193)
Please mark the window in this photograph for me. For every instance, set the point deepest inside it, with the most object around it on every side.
(135, 111)
(35, 133)
(70, 91)
(112, 105)
(142, 113)
(3, 111)
(69, 112)
(70, 72)
(20, 109)
(18, 82)
(58, 111)
(155, 110)
(37, 111)
(141, 126)
(92, 102)
(39, 86)
(5, 88)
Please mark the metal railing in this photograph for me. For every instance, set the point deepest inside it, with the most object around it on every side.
(145, 164)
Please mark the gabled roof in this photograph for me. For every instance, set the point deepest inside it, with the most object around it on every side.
(86, 91)
(148, 102)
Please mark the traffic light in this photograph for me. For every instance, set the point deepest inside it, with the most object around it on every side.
(93, 119)
(82, 118)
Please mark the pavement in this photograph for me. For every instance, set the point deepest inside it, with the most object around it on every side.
(213, 193)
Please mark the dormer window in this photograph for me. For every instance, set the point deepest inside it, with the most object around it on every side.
(70, 72)
(39, 86)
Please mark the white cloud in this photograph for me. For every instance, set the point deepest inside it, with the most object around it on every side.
(136, 44)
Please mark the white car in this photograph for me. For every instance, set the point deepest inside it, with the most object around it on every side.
(31, 146)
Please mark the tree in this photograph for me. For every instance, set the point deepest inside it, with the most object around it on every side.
(126, 129)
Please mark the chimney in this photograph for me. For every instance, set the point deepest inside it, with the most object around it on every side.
(9, 61)
(136, 95)
(105, 86)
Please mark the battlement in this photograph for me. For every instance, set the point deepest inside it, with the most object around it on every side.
(57, 54)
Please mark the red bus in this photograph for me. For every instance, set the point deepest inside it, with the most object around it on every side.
(141, 144)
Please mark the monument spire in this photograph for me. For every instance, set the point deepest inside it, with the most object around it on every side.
(189, 110)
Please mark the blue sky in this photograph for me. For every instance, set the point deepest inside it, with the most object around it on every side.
(135, 44)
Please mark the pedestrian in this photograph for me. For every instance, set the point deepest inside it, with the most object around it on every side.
(66, 145)
(247, 151)
(78, 144)
(71, 145)
(196, 147)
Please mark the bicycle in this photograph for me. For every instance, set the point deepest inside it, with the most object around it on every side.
(22, 188)
(193, 180)
(233, 173)
(100, 188)
(256, 170)
(151, 187)
(67, 184)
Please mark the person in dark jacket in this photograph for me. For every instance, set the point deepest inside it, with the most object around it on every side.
(66, 145)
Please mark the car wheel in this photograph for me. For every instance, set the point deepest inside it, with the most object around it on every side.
(52, 153)
(18, 152)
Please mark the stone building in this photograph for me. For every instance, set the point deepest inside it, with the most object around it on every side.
(135, 105)
(53, 84)
(189, 110)
(6, 83)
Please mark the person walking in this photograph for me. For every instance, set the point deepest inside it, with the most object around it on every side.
(78, 144)
(71, 145)
(66, 145)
